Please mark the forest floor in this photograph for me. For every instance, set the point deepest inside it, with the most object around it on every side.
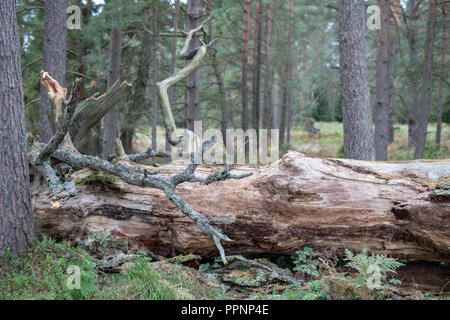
(112, 271)
(329, 142)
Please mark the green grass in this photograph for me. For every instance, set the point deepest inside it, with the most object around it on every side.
(329, 143)
(41, 274)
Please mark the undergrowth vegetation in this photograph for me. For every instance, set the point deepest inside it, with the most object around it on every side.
(44, 272)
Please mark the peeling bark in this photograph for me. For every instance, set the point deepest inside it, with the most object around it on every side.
(298, 201)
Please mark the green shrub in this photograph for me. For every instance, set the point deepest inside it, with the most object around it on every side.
(304, 263)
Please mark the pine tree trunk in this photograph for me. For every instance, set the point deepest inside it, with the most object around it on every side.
(413, 72)
(441, 83)
(247, 9)
(382, 109)
(257, 66)
(218, 75)
(426, 83)
(394, 41)
(173, 58)
(54, 56)
(286, 105)
(267, 118)
(112, 117)
(155, 77)
(136, 110)
(357, 117)
(16, 220)
(192, 82)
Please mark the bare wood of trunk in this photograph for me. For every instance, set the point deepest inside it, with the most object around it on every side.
(441, 81)
(92, 110)
(296, 202)
(267, 117)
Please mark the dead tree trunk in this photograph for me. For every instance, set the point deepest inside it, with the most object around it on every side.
(387, 208)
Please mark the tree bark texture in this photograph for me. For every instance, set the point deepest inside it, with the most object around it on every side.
(382, 106)
(256, 81)
(16, 220)
(54, 56)
(426, 77)
(137, 110)
(441, 82)
(192, 81)
(356, 112)
(247, 10)
(111, 123)
(267, 118)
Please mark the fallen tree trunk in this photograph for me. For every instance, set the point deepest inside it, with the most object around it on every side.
(388, 208)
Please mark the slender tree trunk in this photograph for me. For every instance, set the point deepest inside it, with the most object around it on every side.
(441, 82)
(137, 110)
(257, 65)
(392, 56)
(247, 9)
(219, 79)
(16, 219)
(275, 113)
(173, 58)
(426, 83)
(357, 117)
(155, 78)
(112, 117)
(54, 56)
(382, 109)
(267, 75)
(414, 73)
(192, 82)
(285, 107)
